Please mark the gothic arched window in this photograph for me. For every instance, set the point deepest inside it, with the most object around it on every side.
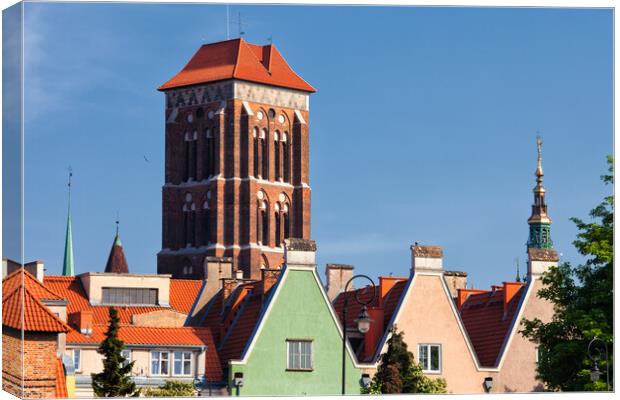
(256, 141)
(189, 221)
(265, 154)
(263, 223)
(278, 223)
(286, 157)
(209, 153)
(276, 154)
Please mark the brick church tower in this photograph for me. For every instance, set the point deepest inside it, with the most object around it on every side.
(236, 168)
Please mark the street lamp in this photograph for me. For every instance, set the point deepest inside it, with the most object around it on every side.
(363, 320)
(595, 355)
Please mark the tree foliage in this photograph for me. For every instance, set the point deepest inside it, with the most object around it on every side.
(399, 373)
(583, 306)
(170, 389)
(114, 380)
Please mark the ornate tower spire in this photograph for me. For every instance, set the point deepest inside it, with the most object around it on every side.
(539, 221)
(67, 265)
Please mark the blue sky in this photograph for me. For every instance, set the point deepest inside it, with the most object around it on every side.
(423, 127)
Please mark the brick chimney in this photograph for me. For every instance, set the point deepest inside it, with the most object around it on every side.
(228, 286)
(82, 321)
(337, 277)
(426, 258)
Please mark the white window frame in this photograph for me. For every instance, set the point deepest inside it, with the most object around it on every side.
(183, 360)
(289, 367)
(160, 359)
(128, 359)
(77, 368)
(428, 347)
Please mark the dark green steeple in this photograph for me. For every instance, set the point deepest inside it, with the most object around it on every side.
(539, 221)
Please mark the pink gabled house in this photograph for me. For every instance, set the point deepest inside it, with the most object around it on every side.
(470, 337)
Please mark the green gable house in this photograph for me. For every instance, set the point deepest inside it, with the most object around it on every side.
(280, 335)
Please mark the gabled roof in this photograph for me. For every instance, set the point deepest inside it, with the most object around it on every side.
(237, 59)
(183, 293)
(487, 324)
(14, 280)
(242, 317)
(36, 316)
(390, 306)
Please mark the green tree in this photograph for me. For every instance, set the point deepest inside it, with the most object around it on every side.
(171, 389)
(583, 305)
(399, 373)
(114, 380)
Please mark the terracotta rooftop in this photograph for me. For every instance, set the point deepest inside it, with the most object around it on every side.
(237, 320)
(14, 280)
(36, 316)
(390, 305)
(61, 383)
(237, 59)
(487, 322)
(183, 293)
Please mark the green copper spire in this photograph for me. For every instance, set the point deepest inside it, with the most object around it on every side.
(67, 265)
(539, 221)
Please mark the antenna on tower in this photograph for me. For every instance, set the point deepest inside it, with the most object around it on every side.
(517, 262)
(270, 39)
(117, 222)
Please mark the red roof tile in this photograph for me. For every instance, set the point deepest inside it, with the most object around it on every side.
(183, 293)
(61, 383)
(390, 304)
(36, 316)
(485, 322)
(15, 279)
(238, 59)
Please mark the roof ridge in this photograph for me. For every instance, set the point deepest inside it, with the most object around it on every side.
(240, 40)
(32, 280)
(47, 310)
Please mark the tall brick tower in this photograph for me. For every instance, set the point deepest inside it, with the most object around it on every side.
(236, 170)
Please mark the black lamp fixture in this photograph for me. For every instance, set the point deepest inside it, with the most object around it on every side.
(596, 348)
(238, 380)
(488, 384)
(363, 321)
(366, 380)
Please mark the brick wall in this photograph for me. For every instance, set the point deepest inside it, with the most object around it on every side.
(231, 192)
(39, 363)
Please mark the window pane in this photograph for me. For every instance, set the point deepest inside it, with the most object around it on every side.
(187, 367)
(434, 358)
(164, 367)
(155, 363)
(76, 359)
(423, 350)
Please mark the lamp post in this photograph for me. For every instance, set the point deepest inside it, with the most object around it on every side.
(363, 321)
(595, 355)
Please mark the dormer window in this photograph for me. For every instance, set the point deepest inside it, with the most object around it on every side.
(129, 296)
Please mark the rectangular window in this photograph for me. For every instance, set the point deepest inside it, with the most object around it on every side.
(429, 356)
(159, 363)
(127, 355)
(129, 296)
(299, 355)
(182, 363)
(77, 359)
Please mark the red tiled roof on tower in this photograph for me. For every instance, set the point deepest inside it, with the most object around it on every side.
(238, 59)
(487, 317)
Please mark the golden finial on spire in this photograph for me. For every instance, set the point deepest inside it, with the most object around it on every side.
(539, 170)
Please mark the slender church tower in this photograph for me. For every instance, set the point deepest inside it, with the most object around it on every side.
(236, 163)
(539, 245)
(67, 264)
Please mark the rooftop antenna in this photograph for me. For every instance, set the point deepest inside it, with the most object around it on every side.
(517, 262)
(270, 39)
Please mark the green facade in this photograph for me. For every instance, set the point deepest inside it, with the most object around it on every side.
(299, 310)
